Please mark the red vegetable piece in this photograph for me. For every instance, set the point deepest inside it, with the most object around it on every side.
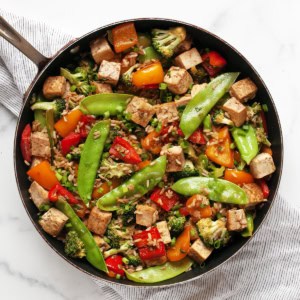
(264, 188)
(58, 190)
(150, 87)
(152, 252)
(85, 121)
(166, 199)
(213, 63)
(71, 140)
(26, 143)
(121, 149)
(115, 264)
(141, 238)
(197, 137)
(184, 211)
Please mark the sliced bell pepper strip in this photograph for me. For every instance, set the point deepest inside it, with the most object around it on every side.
(218, 190)
(264, 187)
(115, 264)
(152, 142)
(166, 199)
(71, 140)
(250, 226)
(195, 209)
(138, 185)
(148, 253)
(143, 164)
(43, 175)
(238, 177)
(58, 190)
(85, 121)
(105, 187)
(124, 36)
(26, 143)
(121, 149)
(141, 239)
(196, 137)
(213, 63)
(197, 109)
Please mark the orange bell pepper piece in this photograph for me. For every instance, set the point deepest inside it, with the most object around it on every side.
(105, 187)
(124, 36)
(152, 142)
(150, 74)
(238, 177)
(266, 149)
(68, 123)
(43, 175)
(195, 209)
(143, 164)
(182, 245)
(220, 153)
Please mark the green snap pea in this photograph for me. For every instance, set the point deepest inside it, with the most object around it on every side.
(150, 53)
(197, 109)
(100, 104)
(218, 190)
(93, 253)
(207, 125)
(161, 273)
(246, 142)
(90, 159)
(138, 185)
(250, 226)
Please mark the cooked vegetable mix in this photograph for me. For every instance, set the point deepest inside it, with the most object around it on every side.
(146, 155)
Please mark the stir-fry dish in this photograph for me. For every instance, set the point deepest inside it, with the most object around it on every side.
(145, 155)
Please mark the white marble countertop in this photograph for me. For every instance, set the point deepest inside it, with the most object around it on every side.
(266, 32)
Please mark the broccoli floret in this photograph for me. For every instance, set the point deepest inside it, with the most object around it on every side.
(218, 118)
(176, 224)
(199, 74)
(74, 246)
(89, 67)
(165, 41)
(262, 136)
(127, 76)
(187, 148)
(126, 212)
(189, 170)
(58, 106)
(213, 233)
(134, 260)
(207, 168)
(123, 248)
(110, 169)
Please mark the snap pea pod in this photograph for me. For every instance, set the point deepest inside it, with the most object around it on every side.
(246, 141)
(250, 226)
(90, 159)
(93, 253)
(102, 104)
(197, 109)
(161, 273)
(150, 53)
(218, 190)
(138, 185)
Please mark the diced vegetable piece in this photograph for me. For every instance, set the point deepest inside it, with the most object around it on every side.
(124, 37)
(57, 190)
(213, 63)
(26, 143)
(114, 263)
(238, 177)
(71, 140)
(164, 198)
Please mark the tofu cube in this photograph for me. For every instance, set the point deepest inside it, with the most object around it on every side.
(145, 215)
(254, 194)
(40, 145)
(109, 72)
(155, 261)
(167, 112)
(199, 252)
(164, 232)
(140, 110)
(102, 88)
(101, 50)
(98, 220)
(183, 101)
(236, 220)
(188, 59)
(197, 88)
(243, 90)
(236, 110)
(262, 165)
(38, 194)
(54, 86)
(178, 80)
(175, 159)
(53, 221)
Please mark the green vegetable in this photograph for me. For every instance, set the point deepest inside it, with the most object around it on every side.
(250, 226)
(109, 169)
(218, 190)
(127, 76)
(50, 127)
(199, 74)
(198, 108)
(207, 125)
(58, 106)
(176, 224)
(90, 158)
(161, 273)
(144, 40)
(125, 246)
(74, 246)
(150, 53)
(246, 142)
(189, 170)
(39, 115)
(213, 233)
(138, 185)
(218, 118)
(133, 260)
(126, 212)
(99, 104)
(93, 254)
(207, 168)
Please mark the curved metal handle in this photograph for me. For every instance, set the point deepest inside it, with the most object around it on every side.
(14, 38)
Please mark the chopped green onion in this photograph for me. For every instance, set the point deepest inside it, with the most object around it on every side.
(125, 260)
(265, 108)
(58, 176)
(163, 86)
(173, 241)
(73, 88)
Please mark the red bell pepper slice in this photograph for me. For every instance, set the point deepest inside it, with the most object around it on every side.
(150, 87)
(165, 199)
(184, 211)
(71, 140)
(115, 264)
(141, 238)
(121, 149)
(264, 187)
(197, 137)
(152, 252)
(213, 63)
(57, 190)
(85, 121)
(26, 143)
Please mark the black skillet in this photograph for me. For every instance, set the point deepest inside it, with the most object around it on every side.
(50, 66)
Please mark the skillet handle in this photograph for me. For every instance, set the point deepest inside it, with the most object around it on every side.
(14, 38)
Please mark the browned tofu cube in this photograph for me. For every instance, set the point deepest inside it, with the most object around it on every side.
(140, 111)
(40, 145)
(109, 72)
(262, 165)
(197, 88)
(167, 112)
(175, 159)
(183, 101)
(178, 80)
(145, 215)
(98, 220)
(236, 110)
(199, 252)
(254, 194)
(188, 59)
(53, 221)
(38, 194)
(155, 261)
(164, 232)
(101, 50)
(243, 90)
(102, 88)
(236, 220)
(54, 86)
